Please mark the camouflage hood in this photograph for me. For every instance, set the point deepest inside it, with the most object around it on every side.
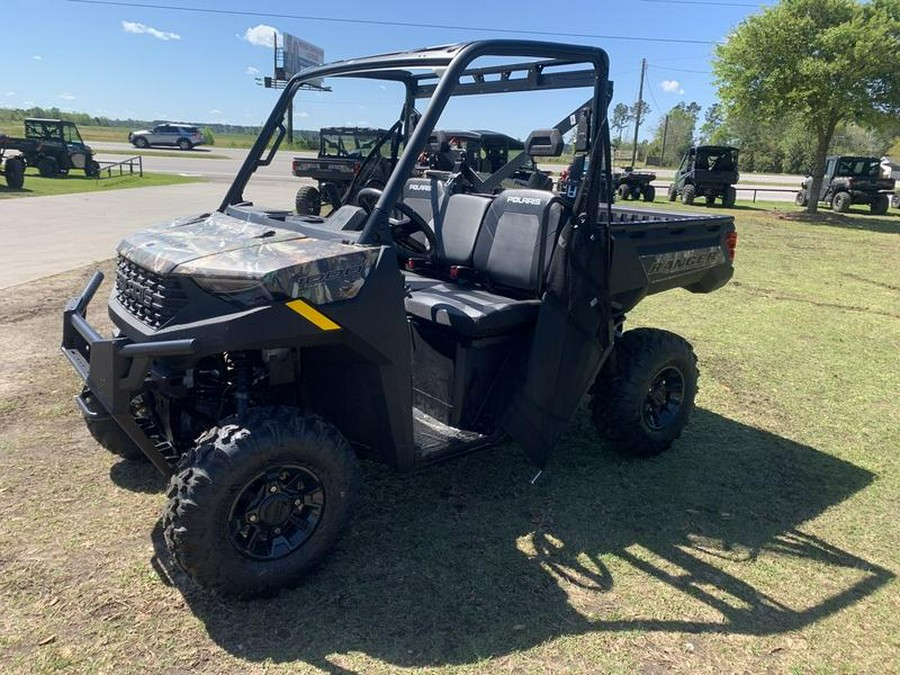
(287, 263)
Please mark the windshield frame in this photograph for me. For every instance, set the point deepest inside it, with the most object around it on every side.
(444, 68)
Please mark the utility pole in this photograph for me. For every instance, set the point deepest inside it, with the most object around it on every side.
(662, 153)
(637, 117)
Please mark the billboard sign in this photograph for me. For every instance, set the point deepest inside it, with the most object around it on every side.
(299, 54)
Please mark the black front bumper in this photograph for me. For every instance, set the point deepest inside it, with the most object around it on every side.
(114, 369)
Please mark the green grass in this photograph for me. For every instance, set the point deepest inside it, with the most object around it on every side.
(764, 541)
(35, 186)
(180, 154)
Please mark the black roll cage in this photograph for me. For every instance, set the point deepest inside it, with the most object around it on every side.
(449, 76)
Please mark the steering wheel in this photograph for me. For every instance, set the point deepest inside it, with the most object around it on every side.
(403, 229)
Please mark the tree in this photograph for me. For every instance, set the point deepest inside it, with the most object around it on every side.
(621, 117)
(712, 121)
(825, 61)
(680, 131)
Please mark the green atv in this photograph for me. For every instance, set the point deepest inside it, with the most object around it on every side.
(708, 171)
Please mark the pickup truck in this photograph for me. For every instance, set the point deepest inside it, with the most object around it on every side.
(259, 353)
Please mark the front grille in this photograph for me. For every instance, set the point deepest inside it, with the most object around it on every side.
(153, 298)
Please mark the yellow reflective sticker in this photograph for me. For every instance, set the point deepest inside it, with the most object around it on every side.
(313, 315)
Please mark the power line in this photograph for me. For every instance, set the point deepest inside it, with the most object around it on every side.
(706, 2)
(373, 22)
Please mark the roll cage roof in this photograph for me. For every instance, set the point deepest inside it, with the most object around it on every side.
(438, 73)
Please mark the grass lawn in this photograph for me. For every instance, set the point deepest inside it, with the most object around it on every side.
(35, 186)
(766, 540)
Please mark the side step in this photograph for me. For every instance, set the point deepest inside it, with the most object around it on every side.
(436, 440)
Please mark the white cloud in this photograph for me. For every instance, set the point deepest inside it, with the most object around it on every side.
(37, 58)
(672, 86)
(10, 93)
(28, 103)
(251, 71)
(261, 35)
(302, 113)
(141, 29)
(66, 96)
(215, 111)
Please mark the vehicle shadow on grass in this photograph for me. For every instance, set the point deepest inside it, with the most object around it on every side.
(854, 220)
(468, 560)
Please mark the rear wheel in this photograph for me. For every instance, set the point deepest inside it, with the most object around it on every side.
(672, 194)
(801, 198)
(15, 173)
(879, 204)
(643, 398)
(648, 193)
(184, 144)
(47, 167)
(841, 202)
(688, 194)
(258, 503)
(141, 142)
(308, 202)
(895, 200)
(730, 197)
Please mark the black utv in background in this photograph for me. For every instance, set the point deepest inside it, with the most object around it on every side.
(259, 353)
(851, 180)
(708, 171)
(53, 147)
(342, 151)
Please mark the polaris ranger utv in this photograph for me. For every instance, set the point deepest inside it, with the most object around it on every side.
(342, 151)
(708, 171)
(848, 181)
(258, 353)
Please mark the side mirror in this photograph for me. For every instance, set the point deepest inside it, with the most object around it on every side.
(544, 143)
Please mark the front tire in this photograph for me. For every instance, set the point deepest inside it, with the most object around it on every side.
(673, 193)
(642, 400)
(623, 192)
(308, 202)
(258, 502)
(141, 142)
(801, 198)
(688, 194)
(111, 437)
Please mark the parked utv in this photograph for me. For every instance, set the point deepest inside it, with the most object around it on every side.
(54, 147)
(485, 152)
(258, 353)
(708, 171)
(631, 184)
(848, 181)
(342, 152)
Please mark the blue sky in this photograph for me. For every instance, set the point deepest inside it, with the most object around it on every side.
(154, 63)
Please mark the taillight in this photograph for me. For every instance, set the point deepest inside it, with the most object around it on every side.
(356, 167)
(731, 243)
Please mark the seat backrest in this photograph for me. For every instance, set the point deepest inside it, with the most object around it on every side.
(426, 196)
(457, 231)
(517, 239)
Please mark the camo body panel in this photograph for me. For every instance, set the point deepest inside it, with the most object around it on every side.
(288, 264)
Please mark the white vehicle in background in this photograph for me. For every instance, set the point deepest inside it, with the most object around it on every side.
(183, 136)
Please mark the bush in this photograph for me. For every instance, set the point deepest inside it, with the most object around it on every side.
(208, 138)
